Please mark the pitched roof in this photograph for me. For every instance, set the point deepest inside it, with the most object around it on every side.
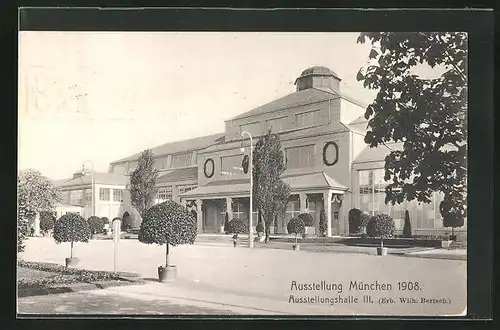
(319, 180)
(306, 96)
(99, 178)
(179, 146)
(302, 97)
(376, 154)
(189, 173)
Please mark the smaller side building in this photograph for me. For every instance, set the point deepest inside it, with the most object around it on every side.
(92, 193)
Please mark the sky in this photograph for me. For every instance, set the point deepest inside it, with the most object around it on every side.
(95, 97)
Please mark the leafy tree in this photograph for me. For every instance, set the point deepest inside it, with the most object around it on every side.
(270, 192)
(407, 226)
(143, 182)
(72, 228)
(168, 223)
(96, 224)
(322, 222)
(47, 221)
(35, 193)
(296, 226)
(428, 115)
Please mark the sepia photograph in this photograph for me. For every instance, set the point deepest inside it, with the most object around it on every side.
(242, 173)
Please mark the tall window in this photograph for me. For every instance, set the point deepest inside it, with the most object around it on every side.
(119, 168)
(66, 196)
(104, 194)
(181, 160)
(292, 209)
(311, 208)
(277, 124)
(132, 166)
(300, 157)
(185, 189)
(372, 201)
(76, 196)
(231, 165)
(164, 194)
(161, 162)
(252, 128)
(311, 118)
(117, 195)
(88, 195)
(238, 211)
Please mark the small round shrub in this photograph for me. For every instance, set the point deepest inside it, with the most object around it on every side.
(96, 224)
(105, 220)
(47, 221)
(71, 227)
(296, 226)
(168, 222)
(307, 218)
(381, 225)
(354, 219)
(237, 226)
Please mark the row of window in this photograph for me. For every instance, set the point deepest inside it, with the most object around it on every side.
(174, 161)
(85, 196)
(305, 119)
(296, 157)
(372, 201)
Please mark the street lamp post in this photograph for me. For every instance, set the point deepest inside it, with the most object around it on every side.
(250, 162)
(91, 185)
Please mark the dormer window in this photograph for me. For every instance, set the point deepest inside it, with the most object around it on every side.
(181, 159)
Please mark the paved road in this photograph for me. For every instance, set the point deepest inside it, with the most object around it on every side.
(262, 278)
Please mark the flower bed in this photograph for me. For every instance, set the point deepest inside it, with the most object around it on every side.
(57, 278)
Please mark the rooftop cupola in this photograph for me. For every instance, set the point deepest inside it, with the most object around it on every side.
(318, 77)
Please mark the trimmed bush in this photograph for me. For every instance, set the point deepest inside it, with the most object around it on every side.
(237, 226)
(323, 227)
(96, 225)
(296, 226)
(407, 226)
(47, 221)
(354, 221)
(71, 227)
(307, 219)
(381, 225)
(168, 223)
(126, 221)
(105, 220)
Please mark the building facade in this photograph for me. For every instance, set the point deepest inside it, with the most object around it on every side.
(328, 165)
(87, 193)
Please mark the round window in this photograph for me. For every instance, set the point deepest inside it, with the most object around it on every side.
(330, 153)
(208, 168)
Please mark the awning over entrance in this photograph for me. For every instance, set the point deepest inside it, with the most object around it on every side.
(319, 181)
